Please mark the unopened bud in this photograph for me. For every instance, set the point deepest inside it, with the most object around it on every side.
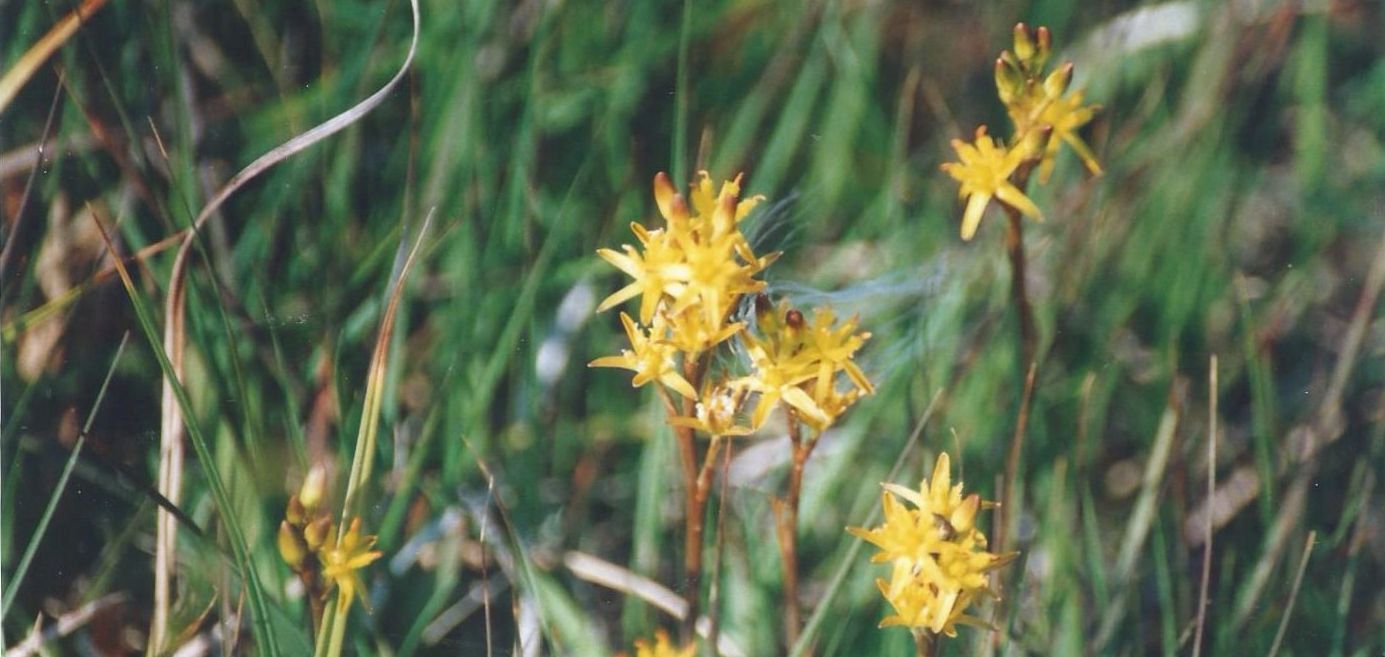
(793, 319)
(315, 534)
(763, 306)
(294, 513)
(1024, 42)
(314, 487)
(1009, 82)
(291, 546)
(1057, 82)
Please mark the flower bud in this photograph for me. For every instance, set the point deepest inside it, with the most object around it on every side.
(1057, 82)
(1009, 82)
(291, 546)
(314, 486)
(1024, 42)
(315, 534)
(294, 513)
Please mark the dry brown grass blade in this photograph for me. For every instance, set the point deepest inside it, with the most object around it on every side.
(170, 441)
(39, 53)
(18, 326)
(65, 625)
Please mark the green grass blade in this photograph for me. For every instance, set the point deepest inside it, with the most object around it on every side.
(259, 609)
(17, 578)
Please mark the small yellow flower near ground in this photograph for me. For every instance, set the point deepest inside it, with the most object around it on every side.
(984, 169)
(939, 556)
(663, 647)
(343, 559)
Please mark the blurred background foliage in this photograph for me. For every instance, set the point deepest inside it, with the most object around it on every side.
(1240, 215)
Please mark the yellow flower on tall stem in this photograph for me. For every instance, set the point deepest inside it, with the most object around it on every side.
(342, 559)
(984, 170)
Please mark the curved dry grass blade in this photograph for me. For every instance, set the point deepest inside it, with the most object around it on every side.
(174, 337)
(38, 53)
(259, 608)
(12, 586)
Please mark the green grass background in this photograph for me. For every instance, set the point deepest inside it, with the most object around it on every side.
(1239, 215)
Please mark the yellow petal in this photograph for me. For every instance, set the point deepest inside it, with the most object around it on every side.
(679, 384)
(976, 206)
(1016, 199)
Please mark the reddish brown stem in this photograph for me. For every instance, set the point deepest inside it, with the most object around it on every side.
(695, 503)
(1014, 243)
(786, 515)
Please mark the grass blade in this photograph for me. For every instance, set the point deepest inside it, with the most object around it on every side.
(24, 69)
(17, 578)
(259, 609)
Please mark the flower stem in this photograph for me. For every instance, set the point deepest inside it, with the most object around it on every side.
(1014, 243)
(695, 500)
(926, 643)
(786, 515)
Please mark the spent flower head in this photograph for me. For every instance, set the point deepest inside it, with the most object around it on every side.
(937, 551)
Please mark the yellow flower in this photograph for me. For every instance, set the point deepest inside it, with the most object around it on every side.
(1036, 103)
(796, 363)
(939, 554)
(696, 268)
(342, 560)
(662, 647)
(1063, 116)
(657, 271)
(984, 173)
(649, 356)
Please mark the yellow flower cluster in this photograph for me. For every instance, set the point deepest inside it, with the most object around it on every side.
(939, 556)
(309, 543)
(796, 362)
(1044, 115)
(690, 275)
(693, 271)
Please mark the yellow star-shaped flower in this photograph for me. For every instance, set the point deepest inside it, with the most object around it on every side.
(984, 170)
(650, 357)
(342, 559)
